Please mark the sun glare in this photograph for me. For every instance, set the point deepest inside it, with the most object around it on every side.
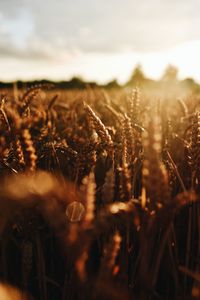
(103, 67)
(184, 56)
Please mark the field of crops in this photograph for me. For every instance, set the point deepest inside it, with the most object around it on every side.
(99, 195)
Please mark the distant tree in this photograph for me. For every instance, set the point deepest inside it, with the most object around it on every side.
(112, 84)
(191, 84)
(137, 76)
(189, 81)
(170, 73)
(76, 82)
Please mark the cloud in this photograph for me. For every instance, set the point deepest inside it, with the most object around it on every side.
(115, 25)
(32, 52)
(104, 26)
(57, 32)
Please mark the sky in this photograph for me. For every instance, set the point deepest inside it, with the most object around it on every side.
(98, 39)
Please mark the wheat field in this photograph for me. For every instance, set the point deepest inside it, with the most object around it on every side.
(99, 195)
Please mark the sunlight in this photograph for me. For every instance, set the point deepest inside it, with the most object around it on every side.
(184, 56)
(104, 67)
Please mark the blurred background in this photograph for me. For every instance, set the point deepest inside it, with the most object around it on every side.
(98, 40)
